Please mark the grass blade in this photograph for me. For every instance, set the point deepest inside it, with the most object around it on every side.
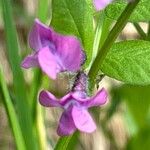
(44, 11)
(13, 120)
(38, 120)
(23, 110)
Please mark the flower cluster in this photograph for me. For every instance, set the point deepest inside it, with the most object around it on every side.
(55, 53)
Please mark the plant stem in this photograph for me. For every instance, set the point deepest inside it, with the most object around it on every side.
(36, 83)
(40, 128)
(67, 142)
(148, 33)
(140, 30)
(123, 19)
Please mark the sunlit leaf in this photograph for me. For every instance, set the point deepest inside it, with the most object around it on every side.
(141, 13)
(128, 61)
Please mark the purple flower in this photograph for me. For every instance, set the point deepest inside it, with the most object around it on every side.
(75, 105)
(101, 4)
(53, 52)
(75, 115)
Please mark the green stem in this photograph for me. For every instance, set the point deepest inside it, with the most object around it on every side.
(36, 83)
(41, 131)
(123, 19)
(148, 32)
(12, 114)
(140, 30)
(64, 143)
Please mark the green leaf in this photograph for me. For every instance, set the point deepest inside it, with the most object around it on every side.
(128, 61)
(74, 17)
(13, 48)
(13, 120)
(140, 14)
(22, 106)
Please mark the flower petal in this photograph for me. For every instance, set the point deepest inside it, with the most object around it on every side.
(69, 51)
(49, 100)
(83, 120)
(66, 124)
(65, 99)
(39, 35)
(99, 99)
(101, 4)
(48, 62)
(30, 61)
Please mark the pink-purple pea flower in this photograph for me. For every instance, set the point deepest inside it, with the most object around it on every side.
(75, 105)
(53, 52)
(101, 4)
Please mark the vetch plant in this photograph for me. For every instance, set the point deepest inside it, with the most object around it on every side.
(55, 53)
(87, 52)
